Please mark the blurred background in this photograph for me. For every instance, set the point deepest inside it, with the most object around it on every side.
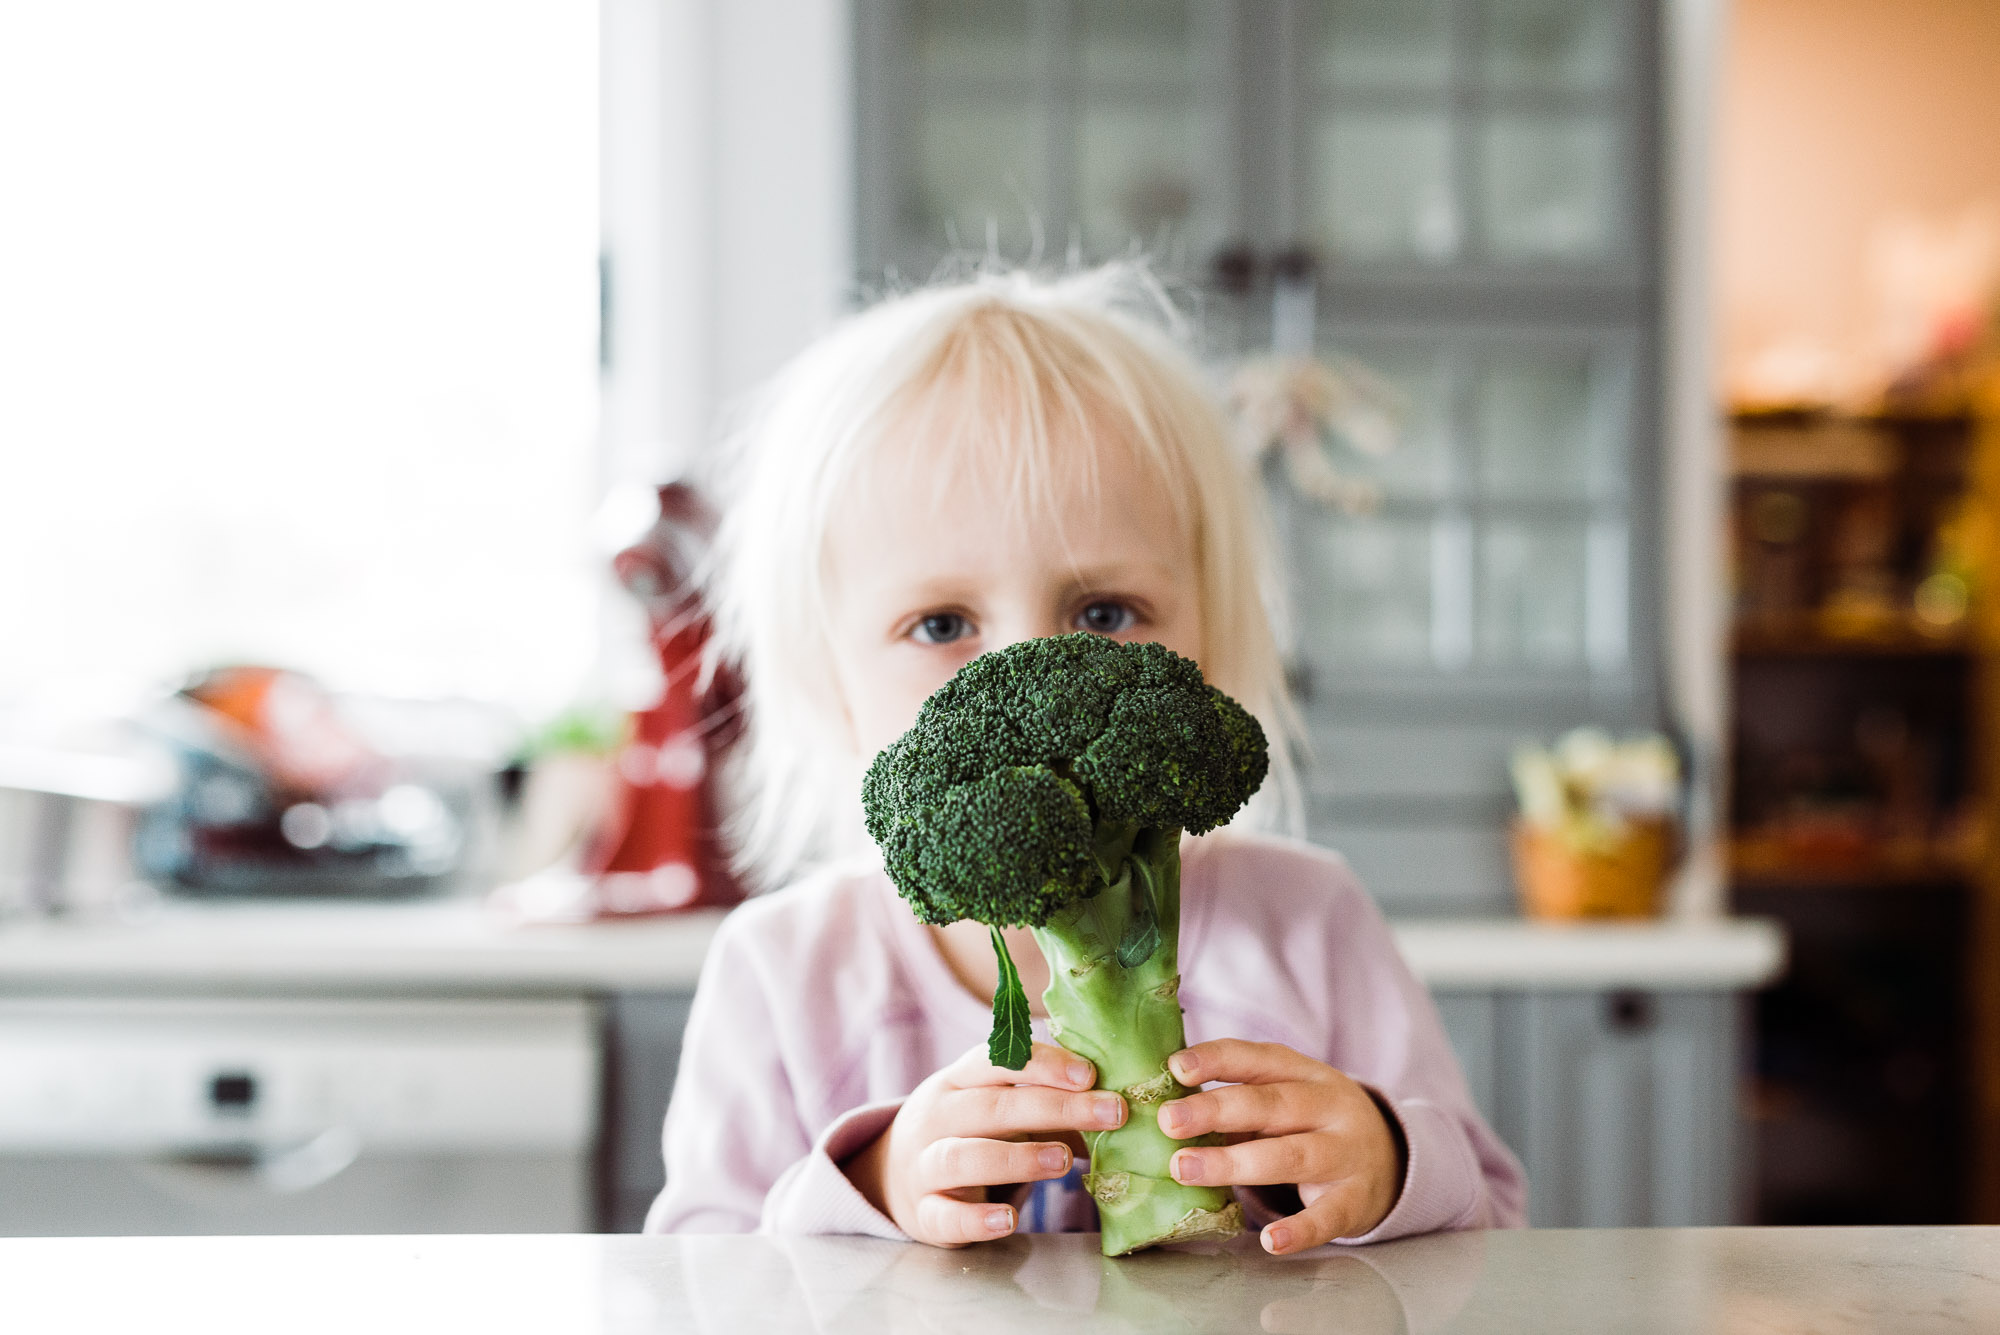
(1619, 372)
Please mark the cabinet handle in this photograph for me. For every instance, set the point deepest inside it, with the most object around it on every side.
(1630, 1012)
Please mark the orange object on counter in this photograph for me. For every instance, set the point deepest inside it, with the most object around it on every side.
(1557, 880)
(290, 723)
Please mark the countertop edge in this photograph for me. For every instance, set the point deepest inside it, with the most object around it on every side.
(464, 948)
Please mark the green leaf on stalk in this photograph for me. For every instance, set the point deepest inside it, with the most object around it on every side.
(1011, 1041)
(1142, 929)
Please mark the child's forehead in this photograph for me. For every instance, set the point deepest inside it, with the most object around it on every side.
(921, 523)
(1035, 459)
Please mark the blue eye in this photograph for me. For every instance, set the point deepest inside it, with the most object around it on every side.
(941, 628)
(1105, 618)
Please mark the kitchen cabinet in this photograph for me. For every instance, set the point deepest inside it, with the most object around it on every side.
(164, 1114)
(1620, 1103)
(1606, 1055)
(1465, 196)
(1608, 1059)
(642, 1052)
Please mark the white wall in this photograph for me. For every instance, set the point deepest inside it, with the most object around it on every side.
(1838, 116)
(1693, 42)
(727, 183)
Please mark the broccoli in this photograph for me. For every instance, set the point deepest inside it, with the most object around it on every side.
(1046, 785)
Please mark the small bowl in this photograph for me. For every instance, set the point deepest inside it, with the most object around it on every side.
(1558, 881)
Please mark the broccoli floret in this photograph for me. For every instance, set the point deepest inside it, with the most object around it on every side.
(1009, 796)
(1047, 785)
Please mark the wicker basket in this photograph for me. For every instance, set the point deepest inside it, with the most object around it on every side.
(1625, 881)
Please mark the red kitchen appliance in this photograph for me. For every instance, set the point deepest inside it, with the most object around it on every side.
(660, 848)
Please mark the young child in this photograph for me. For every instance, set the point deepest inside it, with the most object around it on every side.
(947, 473)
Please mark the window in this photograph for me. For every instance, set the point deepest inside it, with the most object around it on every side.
(298, 322)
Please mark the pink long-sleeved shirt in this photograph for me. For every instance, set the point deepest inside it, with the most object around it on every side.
(821, 1007)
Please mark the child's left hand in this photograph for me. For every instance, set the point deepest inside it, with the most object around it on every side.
(1293, 1121)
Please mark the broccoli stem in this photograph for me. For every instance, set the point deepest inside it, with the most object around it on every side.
(1128, 1021)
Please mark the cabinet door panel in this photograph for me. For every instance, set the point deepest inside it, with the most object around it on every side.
(978, 173)
(1552, 46)
(1625, 1104)
(1551, 420)
(1365, 586)
(1551, 188)
(1468, 1019)
(1356, 763)
(1386, 44)
(1384, 187)
(642, 1037)
(1425, 867)
(989, 42)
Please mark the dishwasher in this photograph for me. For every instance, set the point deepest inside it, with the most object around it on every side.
(248, 1115)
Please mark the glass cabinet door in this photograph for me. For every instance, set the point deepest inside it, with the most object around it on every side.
(1036, 129)
(1499, 543)
(1470, 131)
(1471, 182)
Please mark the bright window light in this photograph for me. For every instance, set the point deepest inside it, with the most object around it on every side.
(298, 319)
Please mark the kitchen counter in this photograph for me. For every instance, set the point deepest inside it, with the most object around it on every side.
(456, 945)
(1544, 1281)
(1670, 954)
(462, 946)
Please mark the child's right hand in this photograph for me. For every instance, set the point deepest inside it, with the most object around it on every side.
(975, 1125)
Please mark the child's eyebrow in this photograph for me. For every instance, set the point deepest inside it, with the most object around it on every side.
(1109, 574)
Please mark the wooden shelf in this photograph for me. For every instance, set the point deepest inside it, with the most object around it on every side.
(1823, 419)
(1763, 861)
(1806, 636)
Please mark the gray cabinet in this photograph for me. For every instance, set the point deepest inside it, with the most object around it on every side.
(1457, 142)
(642, 1052)
(1622, 1105)
(1475, 183)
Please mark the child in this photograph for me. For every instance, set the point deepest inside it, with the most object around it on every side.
(945, 474)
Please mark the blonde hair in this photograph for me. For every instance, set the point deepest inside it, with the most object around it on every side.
(1028, 363)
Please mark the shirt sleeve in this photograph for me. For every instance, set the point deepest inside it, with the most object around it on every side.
(1330, 982)
(1459, 1174)
(815, 1196)
(739, 1158)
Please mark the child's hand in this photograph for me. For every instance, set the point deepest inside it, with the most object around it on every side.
(1293, 1121)
(975, 1125)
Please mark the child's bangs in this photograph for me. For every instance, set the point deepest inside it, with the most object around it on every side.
(1022, 404)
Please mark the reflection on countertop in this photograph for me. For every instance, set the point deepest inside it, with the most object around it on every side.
(1664, 1280)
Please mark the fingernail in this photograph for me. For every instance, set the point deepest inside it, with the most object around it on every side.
(1276, 1238)
(1079, 1074)
(1052, 1158)
(1173, 1116)
(1187, 1167)
(1000, 1220)
(1184, 1067)
(1110, 1109)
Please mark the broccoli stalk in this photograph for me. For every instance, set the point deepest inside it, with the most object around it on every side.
(1047, 786)
(1127, 1020)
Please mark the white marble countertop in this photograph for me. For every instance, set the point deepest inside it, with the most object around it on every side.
(1715, 1281)
(1471, 954)
(460, 946)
